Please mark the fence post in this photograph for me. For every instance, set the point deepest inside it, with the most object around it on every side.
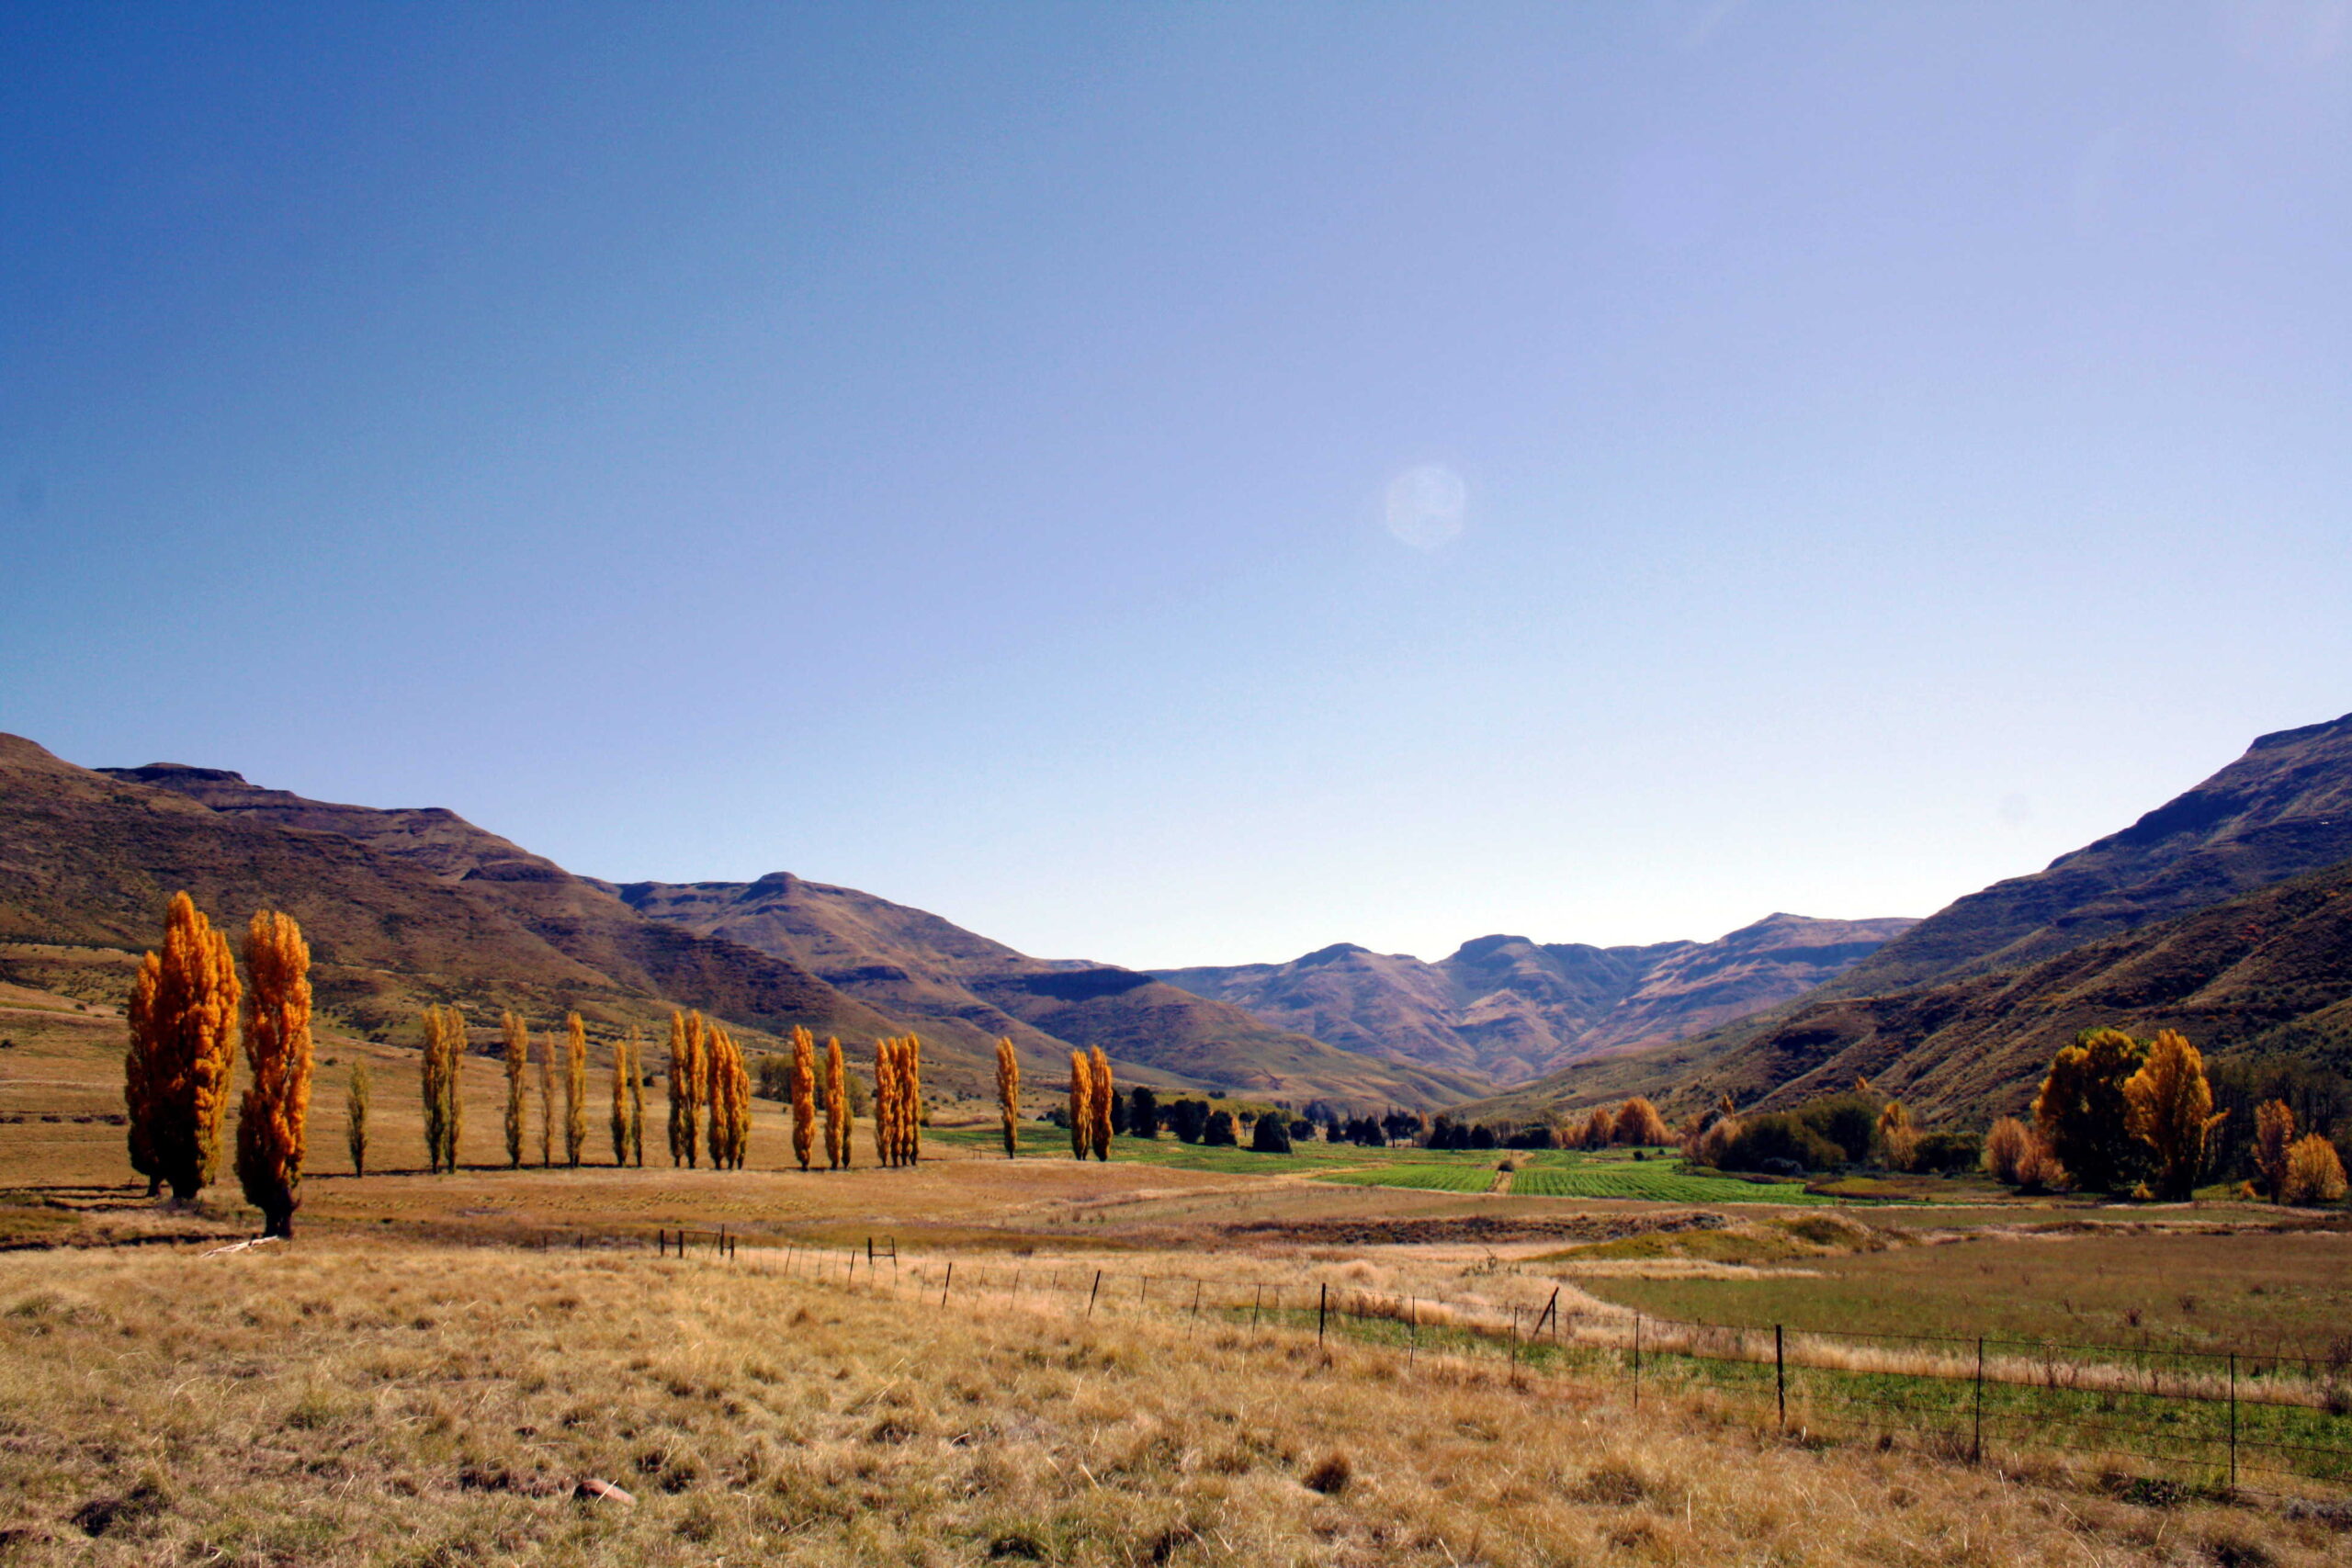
(869, 1252)
(1780, 1377)
(1094, 1290)
(1322, 1304)
(1637, 1360)
(948, 1284)
(2233, 1420)
(1412, 1330)
(1976, 1428)
(1514, 1340)
(1257, 1294)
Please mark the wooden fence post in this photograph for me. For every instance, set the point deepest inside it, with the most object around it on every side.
(948, 1284)
(1637, 1360)
(1322, 1305)
(1257, 1294)
(1094, 1290)
(1977, 1432)
(2233, 1420)
(1780, 1377)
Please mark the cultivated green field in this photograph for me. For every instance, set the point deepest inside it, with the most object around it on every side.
(1423, 1177)
(1655, 1181)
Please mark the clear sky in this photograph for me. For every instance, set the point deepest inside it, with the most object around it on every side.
(1189, 483)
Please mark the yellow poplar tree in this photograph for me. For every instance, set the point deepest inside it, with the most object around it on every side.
(728, 1093)
(1099, 1093)
(444, 1046)
(518, 1060)
(686, 1036)
(1599, 1128)
(1638, 1122)
(547, 1102)
(2169, 1107)
(355, 1119)
(804, 1094)
(1082, 1105)
(885, 1098)
(1008, 1096)
(911, 1089)
(836, 1105)
(273, 1119)
(622, 1072)
(182, 1050)
(575, 1087)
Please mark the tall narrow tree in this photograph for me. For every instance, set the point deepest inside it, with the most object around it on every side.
(1008, 1096)
(355, 1119)
(636, 1101)
(1100, 1091)
(183, 1017)
(2169, 1107)
(804, 1094)
(2274, 1134)
(445, 1048)
(687, 1036)
(547, 1102)
(518, 1061)
(885, 1098)
(836, 1105)
(1082, 1105)
(576, 1088)
(727, 1099)
(621, 1071)
(273, 1119)
(911, 1085)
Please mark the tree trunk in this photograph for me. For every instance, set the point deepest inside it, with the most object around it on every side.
(278, 1219)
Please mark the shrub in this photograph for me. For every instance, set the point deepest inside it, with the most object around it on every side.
(1272, 1134)
(1949, 1152)
(2005, 1147)
(1777, 1135)
(1218, 1133)
(1848, 1121)
(2315, 1171)
(2040, 1169)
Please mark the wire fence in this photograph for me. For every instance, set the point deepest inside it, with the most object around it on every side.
(2157, 1422)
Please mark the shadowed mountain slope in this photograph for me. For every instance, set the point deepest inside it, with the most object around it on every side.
(1514, 1009)
(403, 908)
(919, 966)
(2221, 914)
(2282, 809)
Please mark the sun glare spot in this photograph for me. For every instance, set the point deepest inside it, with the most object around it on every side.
(1426, 505)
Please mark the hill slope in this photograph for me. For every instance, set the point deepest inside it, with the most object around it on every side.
(2282, 809)
(1513, 1010)
(2219, 914)
(401, 908)
(919, 966)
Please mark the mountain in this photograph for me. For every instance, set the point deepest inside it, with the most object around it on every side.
(921, 967)
(400, 907)
(2282, 809)
(1513, 1010)
(2220, 914)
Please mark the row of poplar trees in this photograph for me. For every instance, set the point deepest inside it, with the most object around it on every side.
(185, 1007)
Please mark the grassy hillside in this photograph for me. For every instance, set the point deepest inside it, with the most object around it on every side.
(2267, 972)
(91, 860)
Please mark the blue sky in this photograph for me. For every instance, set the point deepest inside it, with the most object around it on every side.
(1840, 455)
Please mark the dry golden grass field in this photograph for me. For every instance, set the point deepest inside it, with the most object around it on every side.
(445, 1369)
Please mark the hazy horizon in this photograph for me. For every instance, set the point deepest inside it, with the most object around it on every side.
(1183, 486)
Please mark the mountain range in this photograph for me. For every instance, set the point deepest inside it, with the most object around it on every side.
(1512, 1009)
(2225, 913)
(408, 905)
